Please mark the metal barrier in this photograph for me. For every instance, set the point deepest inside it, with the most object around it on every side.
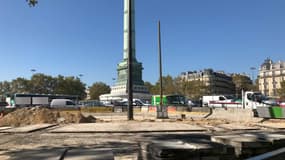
(271, 112)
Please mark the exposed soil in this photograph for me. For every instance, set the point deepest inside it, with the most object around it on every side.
(37, 115)
(208, 121)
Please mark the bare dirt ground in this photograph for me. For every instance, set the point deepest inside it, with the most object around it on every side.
(37, 115)
(18, 145)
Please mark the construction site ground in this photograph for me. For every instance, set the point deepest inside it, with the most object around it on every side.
(187, 135)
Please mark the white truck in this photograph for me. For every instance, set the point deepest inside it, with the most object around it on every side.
(208, 100)
(250, 99)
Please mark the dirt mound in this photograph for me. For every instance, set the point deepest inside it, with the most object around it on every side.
(37, 115)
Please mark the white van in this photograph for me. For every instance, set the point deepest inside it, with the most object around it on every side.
(58, 103)
(216, 98)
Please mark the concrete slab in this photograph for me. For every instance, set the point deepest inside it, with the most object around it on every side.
(265, 136)
(277, 140)
(195, 148)
(236, 126)
(127, 127)
(89, 154)
(242, 141)
(4, 128)
(27, 129)
(245, 146)
(213, 128)
(272, 125)
(45, 154)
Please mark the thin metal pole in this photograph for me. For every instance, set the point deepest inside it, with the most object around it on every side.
(130, 59)
(160, 65)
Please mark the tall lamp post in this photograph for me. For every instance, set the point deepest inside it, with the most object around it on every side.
(80, 75)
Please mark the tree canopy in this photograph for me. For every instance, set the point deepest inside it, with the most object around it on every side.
(242, 82)
(98, 89)
(44, 84)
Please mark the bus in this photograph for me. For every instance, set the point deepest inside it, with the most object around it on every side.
(175, 100)
(90, 103)
(27, 99)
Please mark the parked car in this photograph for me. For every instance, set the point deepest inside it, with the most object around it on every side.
(3, 104)
(61, 103)
(136, 102)
(193, 103)
(271, 102)
(282, 104)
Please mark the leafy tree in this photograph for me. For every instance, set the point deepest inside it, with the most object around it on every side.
(150, 87)
(242, 82)
(98, 89)
(169, 86)
(70, 86)
(192, 89)
(19, 85)
(5, 88)
(42, 84)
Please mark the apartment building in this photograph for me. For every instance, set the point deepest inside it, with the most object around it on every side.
(270, 75)
(218, 82)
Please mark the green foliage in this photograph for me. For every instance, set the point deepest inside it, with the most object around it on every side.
(151, 88)
(98, 89)
(70, 85)
(5, 87)
(19, 85)
(242, 82)
(168, 86)
(44, 84)
(192, 89)
(41, 83)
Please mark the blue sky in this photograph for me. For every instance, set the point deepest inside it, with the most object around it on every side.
(71, 37)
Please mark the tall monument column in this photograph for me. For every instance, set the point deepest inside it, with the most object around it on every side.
(120, 90)
(127, 29)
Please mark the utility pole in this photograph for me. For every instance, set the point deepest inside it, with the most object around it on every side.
(130, 64)
(161, 110)
(160, 65)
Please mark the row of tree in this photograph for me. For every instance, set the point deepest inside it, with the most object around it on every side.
(196, 89)
(45, 84)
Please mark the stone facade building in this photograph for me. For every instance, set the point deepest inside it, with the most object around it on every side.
(270, 75)
(218, 82)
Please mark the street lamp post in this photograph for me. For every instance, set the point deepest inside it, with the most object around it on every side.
(80, 75)
(33, 70)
